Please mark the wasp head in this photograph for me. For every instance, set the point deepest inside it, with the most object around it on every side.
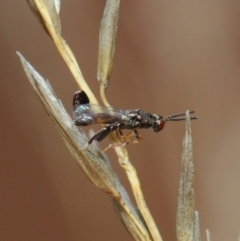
(158, 124)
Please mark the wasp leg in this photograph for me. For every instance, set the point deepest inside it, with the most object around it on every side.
(81, 123)
(104, 132)
(138, 137)
(115, 145)
(127, 137)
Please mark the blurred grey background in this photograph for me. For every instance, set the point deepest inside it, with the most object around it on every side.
(170, 56)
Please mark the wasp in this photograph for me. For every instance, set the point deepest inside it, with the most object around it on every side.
(86, 114)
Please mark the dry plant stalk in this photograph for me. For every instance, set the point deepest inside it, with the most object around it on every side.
(49, 23)
(93, 163)
(107, 43)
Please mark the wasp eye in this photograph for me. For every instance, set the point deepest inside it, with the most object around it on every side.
(158, 126)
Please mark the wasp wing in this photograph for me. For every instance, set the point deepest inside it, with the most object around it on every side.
(88, 114)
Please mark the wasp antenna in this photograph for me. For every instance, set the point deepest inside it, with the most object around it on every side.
(177, 117)
(183, 118)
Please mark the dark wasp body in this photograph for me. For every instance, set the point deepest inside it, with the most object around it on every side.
(117, 119)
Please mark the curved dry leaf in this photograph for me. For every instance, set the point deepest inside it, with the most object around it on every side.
(130, 226)
(107, 41)
(53, 8)
(92, 162)
(185, 209)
